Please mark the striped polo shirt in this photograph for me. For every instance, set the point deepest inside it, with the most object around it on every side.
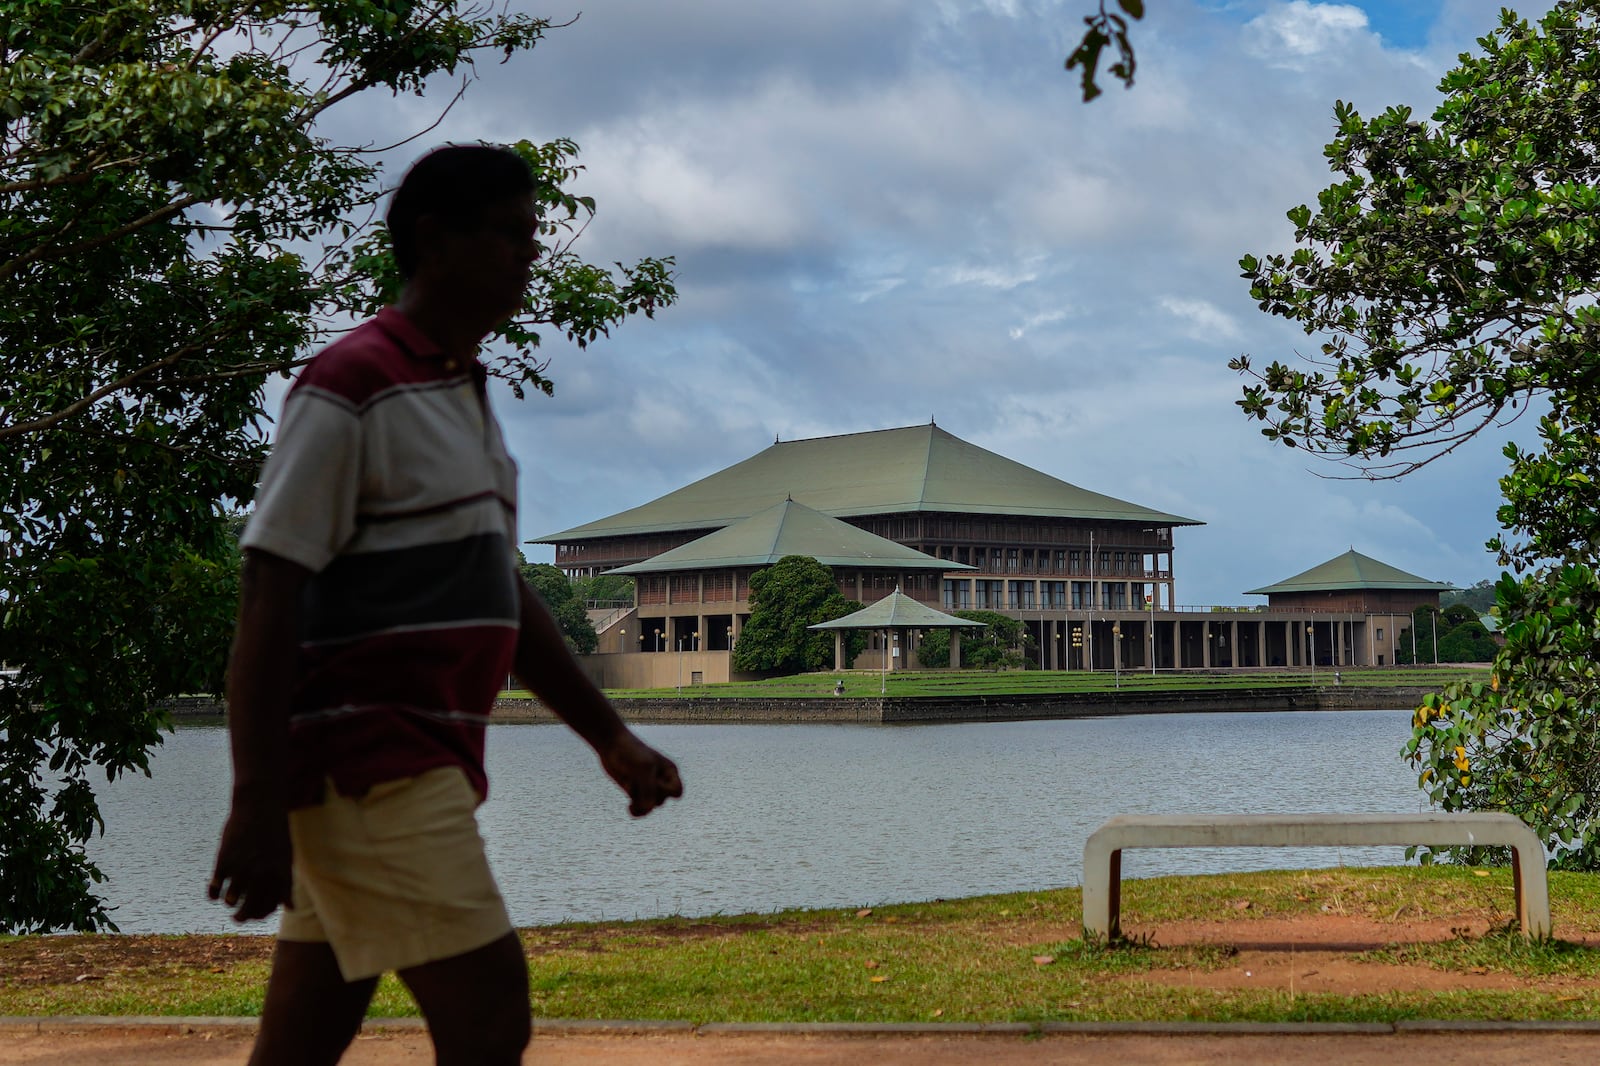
(390, 481)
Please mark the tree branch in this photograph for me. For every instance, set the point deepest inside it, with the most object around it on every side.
(79, 405)
(11, 266)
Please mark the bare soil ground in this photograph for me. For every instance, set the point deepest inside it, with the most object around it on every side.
(1317, 954)
(1318, 951)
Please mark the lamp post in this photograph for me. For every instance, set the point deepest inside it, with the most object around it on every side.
(883, 671)
(1041, 630)
(1311, 642)
(658, 639)
(694, 641)
(730, 638)
(1150, 624)
(622, 640)
(1116, 652)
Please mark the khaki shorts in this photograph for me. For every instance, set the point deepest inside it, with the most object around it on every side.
(395, 878)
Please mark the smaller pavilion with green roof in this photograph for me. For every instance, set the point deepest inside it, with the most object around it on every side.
(904, 618)
(1375, 599)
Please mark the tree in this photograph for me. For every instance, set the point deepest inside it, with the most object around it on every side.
(1004, 644)
(1450, 269)
(559, 594)
(1461, 637)
(1480, 596)
(604, 589)
(1453, 270)
(174, 228)
(785, 598)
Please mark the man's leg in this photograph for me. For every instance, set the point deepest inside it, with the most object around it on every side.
(476, 1004)
(311, 1013)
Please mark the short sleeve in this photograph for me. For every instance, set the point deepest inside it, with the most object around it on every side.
(305, 506)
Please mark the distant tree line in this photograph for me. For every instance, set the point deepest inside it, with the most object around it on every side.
(1480, 597)
(1462, 638)
(568, 600)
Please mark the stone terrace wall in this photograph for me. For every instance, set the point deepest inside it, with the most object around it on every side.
(991, 708)
(958, 708)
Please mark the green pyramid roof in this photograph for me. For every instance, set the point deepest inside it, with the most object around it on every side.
(888, 471)
(789, 528)
(897, 611)
(1352, 570)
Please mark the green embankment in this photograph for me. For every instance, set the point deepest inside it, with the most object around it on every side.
(907, 683)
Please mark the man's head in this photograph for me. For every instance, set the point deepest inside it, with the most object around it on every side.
(453, 186)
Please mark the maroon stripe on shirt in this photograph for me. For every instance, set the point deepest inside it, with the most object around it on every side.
(375, 357)
(380, 744)
(395, 705)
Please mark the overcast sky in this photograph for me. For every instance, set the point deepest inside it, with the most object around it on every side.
(884, 211)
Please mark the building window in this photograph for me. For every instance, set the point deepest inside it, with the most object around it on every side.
(1380, 632)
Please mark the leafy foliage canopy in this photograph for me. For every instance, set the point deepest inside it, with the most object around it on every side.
(174, 227)
(1452, 273)
(785, 598)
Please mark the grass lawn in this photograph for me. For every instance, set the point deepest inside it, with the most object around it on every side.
(1014, 957)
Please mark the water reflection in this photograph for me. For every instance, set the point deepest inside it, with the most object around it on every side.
(808, 816)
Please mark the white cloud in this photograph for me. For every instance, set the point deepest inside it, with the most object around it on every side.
(989, 277)
(1034, 321)
(1290, 32)
(1203, 319)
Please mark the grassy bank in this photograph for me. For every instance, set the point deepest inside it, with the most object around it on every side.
(996, 958)
(866, 683)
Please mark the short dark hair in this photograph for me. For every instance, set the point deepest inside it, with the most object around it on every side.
(453, 182)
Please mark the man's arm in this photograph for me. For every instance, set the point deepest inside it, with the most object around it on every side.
(252, 870)
(550, 670)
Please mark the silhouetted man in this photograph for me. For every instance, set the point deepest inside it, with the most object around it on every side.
(381, 609)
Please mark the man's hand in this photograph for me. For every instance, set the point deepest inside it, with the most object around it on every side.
(252, 871)
(647, 776)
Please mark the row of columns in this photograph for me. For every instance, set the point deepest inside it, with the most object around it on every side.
(683, 632)
(1103, 643)
(1162, 593)
(903, 640)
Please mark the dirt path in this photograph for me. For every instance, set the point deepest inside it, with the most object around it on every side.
(230, 1047)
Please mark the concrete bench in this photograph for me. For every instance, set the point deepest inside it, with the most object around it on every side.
(1102, 852)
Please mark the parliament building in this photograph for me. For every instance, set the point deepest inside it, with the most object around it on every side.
(956, 527)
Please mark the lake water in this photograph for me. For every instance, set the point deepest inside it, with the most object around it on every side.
(815, 815)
